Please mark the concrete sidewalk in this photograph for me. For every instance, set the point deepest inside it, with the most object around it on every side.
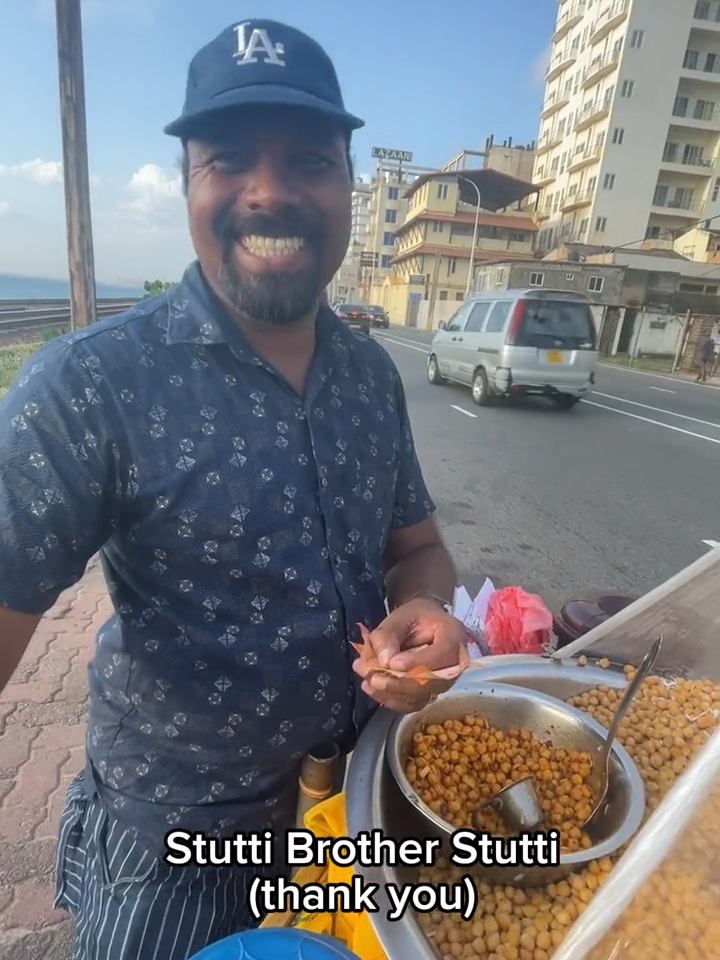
(42, 737)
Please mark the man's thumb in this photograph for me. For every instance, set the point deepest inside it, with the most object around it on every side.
(385, 641)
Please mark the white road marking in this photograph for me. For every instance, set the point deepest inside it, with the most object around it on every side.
(646, 406)
(713, 544)
(656, 423)
(466, 412)
(404, 343)
(662, 390)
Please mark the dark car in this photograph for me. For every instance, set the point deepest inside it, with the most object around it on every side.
(355, 315)
(379, 317)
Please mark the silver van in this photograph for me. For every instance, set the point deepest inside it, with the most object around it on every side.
(519, 342)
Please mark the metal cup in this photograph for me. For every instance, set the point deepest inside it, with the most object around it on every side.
(518, 806)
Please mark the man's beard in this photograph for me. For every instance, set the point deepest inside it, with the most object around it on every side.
(271, 296)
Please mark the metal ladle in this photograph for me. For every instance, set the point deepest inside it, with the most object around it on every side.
(648, 662)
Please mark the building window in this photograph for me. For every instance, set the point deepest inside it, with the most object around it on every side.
(680, 107)
(596, 284)
(658, 324)
(652, 233)
(443, 295)
(600, 224)
(389, 240)
(609, 181)
(438, 226)
(459, 296)
(442, 191)
(618, 135)
(391, 216)
(582, 229)
(716, 191)
(452, 266)
(393, 193)
(660, 196)
(628, 89)
(690, 61)
(537, 279)
(637, 39)
(569, 277)
(518, 237)
(386, 261)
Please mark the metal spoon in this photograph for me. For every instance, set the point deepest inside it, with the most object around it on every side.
(517, 804)
(645, 667)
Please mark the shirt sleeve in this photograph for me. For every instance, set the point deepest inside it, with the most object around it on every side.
(58, 476)
(413, 502)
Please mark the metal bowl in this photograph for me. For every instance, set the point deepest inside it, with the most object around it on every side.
(549, 720)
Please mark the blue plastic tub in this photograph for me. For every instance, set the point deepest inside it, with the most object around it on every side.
(276, 943)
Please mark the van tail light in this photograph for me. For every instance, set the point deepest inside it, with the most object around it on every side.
(515, 322)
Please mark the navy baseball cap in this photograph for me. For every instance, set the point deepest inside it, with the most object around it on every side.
(261, 62)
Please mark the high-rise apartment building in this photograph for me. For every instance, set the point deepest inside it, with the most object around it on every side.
(628, 150)
(360, 214)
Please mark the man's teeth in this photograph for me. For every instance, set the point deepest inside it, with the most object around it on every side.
(272, 246)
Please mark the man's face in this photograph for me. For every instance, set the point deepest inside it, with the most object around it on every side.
(269, 203)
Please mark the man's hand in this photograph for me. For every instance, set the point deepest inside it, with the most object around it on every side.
(417, 634)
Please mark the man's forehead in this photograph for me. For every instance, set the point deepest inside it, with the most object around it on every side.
(268, 125)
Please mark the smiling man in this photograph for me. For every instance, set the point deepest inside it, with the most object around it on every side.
(245, 466)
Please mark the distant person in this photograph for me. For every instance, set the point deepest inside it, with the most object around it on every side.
(705, 357)
(245, 466)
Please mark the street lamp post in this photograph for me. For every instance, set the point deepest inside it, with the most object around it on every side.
(474, 237)
(75, 163)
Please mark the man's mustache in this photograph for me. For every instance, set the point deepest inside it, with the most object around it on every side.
(229, 228)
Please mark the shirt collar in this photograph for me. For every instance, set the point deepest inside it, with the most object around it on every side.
(196, 316)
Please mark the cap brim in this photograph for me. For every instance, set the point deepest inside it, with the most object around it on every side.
(271, 95)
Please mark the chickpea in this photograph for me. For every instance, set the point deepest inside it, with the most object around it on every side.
(675, 915)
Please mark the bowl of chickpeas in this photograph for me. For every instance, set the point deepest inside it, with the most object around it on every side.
(452, 757)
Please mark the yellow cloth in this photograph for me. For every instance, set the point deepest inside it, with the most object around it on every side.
(327, 819)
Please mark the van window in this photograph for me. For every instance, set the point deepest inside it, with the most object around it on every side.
(498, 316)
(457, 321)
(549, 323)
(477, 317)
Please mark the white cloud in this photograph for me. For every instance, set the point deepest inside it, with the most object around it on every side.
(39, 171)
(4, 208)
(539, 67)
(153, 190)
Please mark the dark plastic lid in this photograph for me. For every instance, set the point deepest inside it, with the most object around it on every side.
(276, 943)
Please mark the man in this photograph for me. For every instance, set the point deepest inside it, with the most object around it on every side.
(245, 465)
(705, 354)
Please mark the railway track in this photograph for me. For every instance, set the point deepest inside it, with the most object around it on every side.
(25, 319)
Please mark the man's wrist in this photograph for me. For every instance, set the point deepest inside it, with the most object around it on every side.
(445, 605)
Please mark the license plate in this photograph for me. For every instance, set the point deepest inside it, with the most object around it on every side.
(555, 356)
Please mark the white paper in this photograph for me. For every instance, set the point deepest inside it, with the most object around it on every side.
(471, 612)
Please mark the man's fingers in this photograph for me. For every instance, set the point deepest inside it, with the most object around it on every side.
(442, 653)
(394, 702)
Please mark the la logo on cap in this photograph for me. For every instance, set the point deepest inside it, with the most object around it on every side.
(259, 43)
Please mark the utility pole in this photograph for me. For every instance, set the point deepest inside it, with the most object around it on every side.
(78, 219)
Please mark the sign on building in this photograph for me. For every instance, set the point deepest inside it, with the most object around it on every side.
(383, 153)
(368, 259)
(417, 279)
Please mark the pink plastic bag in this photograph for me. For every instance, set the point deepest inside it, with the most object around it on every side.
(517, 622)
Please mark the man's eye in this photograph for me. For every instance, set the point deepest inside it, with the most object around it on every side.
(230, 162)
(313, 161)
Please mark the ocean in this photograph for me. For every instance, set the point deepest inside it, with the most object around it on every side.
(40, 288)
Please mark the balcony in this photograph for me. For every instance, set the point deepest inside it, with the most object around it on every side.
(672, 207)
(698, 166)
(543, 176)
(697, 116)
(568, 19)
(707, 17)
(562, 61)
(554, 102)
(544, 211)
(585, 158)
(548, 141)
(592, 112)
(573, 201)
(705, 67)
(610, 18)
(600, 67)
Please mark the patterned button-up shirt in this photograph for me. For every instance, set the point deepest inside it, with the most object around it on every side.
(242, 532)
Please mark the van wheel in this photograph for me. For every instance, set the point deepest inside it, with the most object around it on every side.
(433, 371)
(566, 402)
(481, 389)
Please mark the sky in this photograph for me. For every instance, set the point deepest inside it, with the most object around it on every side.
(433, 82)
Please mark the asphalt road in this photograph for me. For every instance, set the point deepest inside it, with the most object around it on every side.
(618, 493)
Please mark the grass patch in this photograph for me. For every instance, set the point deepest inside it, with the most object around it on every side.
(12, 359)
(649, 364)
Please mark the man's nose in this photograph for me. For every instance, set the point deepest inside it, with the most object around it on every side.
(269, 187)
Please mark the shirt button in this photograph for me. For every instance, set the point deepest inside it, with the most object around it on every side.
(324, 482)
